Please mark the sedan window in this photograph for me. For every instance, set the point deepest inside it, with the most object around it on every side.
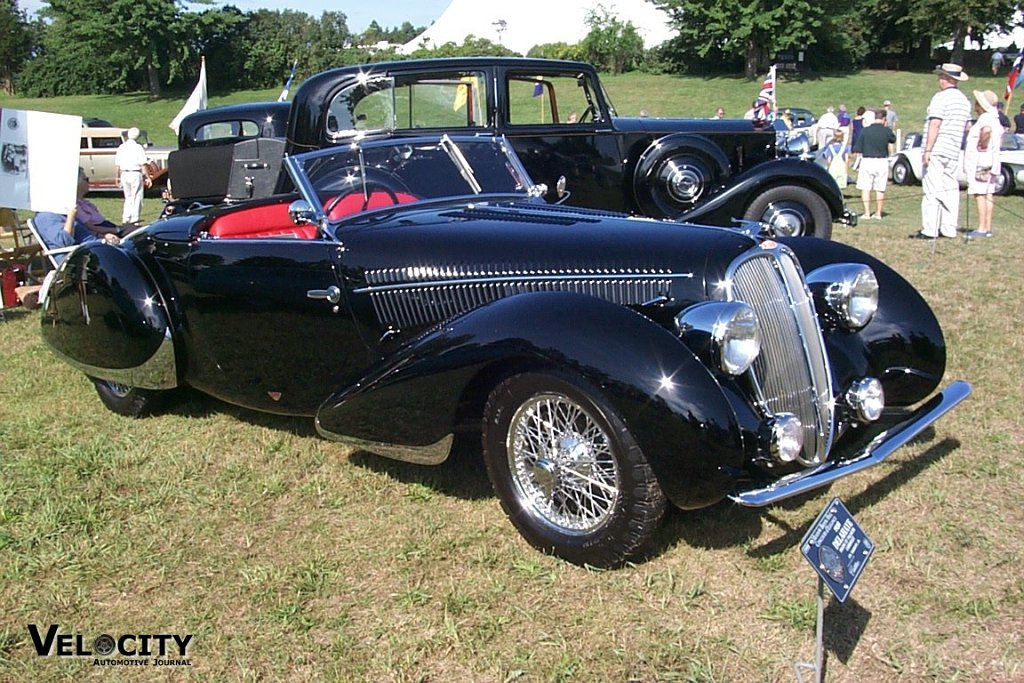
(550, 99)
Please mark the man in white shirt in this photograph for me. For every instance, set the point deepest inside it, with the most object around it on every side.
(948, 117)
(828, 124)
(132, 175)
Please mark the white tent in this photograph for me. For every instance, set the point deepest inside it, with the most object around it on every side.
(519, 25)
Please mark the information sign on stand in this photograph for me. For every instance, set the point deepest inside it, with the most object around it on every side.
(838, 550)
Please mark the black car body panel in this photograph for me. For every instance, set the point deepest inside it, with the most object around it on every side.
(402, 323)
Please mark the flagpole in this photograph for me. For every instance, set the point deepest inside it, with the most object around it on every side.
(775, 93)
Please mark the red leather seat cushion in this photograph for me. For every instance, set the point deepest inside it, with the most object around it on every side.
(255, 222)
(353, 203)
(272, 220)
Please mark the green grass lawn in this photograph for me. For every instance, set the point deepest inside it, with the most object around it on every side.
(290, 558)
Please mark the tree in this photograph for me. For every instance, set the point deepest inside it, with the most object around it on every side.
(470, 47)
(15, 43)
(611, 44)
(946, 20)
(755, 29)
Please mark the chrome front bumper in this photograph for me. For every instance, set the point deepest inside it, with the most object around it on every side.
(884, 445)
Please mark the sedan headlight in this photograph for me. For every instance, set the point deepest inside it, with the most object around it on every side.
(848, 291)
(725, 333)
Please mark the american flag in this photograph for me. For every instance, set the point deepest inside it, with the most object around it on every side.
(1016, 76)
(766, 98)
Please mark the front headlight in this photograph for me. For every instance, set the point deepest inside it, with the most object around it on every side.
(725, 333)
(849, 291)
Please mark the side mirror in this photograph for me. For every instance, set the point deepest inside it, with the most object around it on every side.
(301, 213)
(560, 186)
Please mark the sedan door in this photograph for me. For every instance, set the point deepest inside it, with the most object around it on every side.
(559, 127)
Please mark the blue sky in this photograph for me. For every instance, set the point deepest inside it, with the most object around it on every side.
(359, 12)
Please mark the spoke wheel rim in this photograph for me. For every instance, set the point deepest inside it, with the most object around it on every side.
(119, 390)
(562, 464)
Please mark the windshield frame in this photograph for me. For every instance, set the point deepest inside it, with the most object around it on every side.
(449, 144)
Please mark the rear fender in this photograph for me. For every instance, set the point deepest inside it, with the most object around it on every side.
(105, 316)
(676, 410)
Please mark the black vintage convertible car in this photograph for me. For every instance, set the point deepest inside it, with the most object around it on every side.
(558, 117)
(413, 289)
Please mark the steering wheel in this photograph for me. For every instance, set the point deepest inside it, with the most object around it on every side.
(589, 111)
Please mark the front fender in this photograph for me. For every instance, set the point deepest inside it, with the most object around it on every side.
(105, 316)
(745, 187)
(903, 345)
(679, 414)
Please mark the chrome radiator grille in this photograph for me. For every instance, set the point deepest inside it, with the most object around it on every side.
(791, 375)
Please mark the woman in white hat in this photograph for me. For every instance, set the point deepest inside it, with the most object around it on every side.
(981, 159)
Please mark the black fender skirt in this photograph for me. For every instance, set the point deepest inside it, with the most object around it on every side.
(675, 409)
(104, 316)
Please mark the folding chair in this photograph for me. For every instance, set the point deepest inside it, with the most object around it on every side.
(50, 253)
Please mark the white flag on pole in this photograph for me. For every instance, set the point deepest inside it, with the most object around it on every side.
(196, 101)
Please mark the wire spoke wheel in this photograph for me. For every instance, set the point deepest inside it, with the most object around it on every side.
(562, 464)
(569, 474)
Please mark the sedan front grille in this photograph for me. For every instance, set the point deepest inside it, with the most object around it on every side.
(791, 375)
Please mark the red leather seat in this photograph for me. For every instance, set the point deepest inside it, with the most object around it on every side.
(272, 220)
(257, 222)
(353, 203)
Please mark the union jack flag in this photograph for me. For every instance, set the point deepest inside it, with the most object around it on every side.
(1016, 76)
(766, 98)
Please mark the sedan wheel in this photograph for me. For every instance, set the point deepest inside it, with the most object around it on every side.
(792, 211)
(569, 474)
(1004, 183)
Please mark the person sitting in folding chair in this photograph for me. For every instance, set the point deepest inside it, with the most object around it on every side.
(83, 223)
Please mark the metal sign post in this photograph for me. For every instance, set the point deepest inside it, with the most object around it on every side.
(838, 550)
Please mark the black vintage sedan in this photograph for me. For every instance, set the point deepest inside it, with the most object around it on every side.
(561, 122)
(415, 288)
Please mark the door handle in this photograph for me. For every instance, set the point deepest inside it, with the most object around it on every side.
(332, 294)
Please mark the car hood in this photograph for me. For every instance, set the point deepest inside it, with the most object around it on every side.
(527, 247)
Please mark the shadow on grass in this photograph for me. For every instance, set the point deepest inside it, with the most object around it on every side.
(726, 524)
(463, 475)
(903, 473)
(188, 402)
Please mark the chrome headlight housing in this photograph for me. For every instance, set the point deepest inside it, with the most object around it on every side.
(848, 292)
(726, 334)
(867, 398)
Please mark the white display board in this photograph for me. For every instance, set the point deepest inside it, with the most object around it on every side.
(39, 158)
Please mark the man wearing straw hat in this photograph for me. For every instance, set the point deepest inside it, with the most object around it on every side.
(949, 113)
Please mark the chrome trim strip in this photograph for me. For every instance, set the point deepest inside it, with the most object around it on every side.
(158, 372)
(884, 445)
(516, 278)
(431, 454)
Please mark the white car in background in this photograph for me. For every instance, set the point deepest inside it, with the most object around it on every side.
(907, 168)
